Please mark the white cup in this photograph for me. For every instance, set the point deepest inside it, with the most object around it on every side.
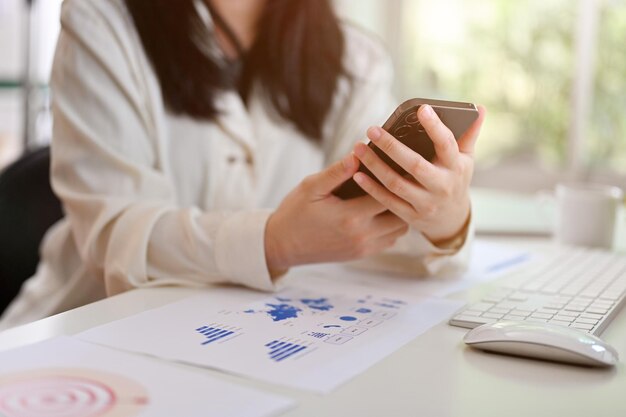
(587, 214)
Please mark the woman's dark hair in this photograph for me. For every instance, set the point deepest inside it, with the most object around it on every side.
(296, 59)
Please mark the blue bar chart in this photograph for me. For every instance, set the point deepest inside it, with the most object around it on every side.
(213, 334)
(282, 350)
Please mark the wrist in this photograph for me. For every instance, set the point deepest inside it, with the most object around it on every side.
(446, 239)
(275, 256)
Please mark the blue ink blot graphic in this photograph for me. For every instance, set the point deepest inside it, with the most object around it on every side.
(249, 311)
(386, 305)
(331, 325)
(395, 301)
(364, 310)
(347, 318)
(283, 311)
(321, 304)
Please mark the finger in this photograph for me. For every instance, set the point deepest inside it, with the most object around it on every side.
(415, 164)
(394, 235)
(395, 204)
(388, 222)
(365, 205)
(394, 182)
(445, 143)
(388, 240)
(468, 140)
(323, 183)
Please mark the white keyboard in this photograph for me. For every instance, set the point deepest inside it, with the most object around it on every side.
(575, 287)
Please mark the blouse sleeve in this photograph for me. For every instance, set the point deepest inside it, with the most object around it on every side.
(118, 196)
(364, 100)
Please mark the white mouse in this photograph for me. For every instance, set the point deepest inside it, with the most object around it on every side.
(542, 341)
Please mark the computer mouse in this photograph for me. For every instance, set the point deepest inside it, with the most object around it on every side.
(542, 341)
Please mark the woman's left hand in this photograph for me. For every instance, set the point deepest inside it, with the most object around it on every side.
(437, 203)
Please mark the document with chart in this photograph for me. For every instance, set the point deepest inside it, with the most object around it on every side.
(65, 377)
(300, 337)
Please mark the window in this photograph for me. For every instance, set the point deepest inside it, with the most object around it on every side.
(551, 73)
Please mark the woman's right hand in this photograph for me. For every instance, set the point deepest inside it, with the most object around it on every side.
(313, 225)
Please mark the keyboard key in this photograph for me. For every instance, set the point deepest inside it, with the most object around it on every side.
(474, 320)
(585, 297)
(581, 301)
(546, 311)
(551, 289)
(541, 316)
(587, 321)
(500, 292)
(494, 300)
(571, 291)
(582, 326)
(514, 317)
(591, 316)
(602, 304)
(564, 318)
(597, 310)
(472, 313)
(499, 310)
(591, 293)
(613, 296)
(518, 296)
(496, 316)
(533, 286)
(512, 285)
(554, 306)
(568, 313)
(575, 307)
(481, 306)
(533, 320)
(507, 304)
(519, 312)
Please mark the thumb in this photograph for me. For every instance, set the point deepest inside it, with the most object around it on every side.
(324, 182)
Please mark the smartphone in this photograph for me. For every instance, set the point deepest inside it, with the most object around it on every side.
(404, 126)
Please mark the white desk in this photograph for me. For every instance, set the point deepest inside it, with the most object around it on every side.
(435, 375)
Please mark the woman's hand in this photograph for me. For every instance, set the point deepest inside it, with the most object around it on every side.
(437, 202)
(312, 225)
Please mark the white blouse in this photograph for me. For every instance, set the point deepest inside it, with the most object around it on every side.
(152, 198)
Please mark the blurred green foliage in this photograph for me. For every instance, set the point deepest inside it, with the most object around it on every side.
(607, 133)
(518, 59)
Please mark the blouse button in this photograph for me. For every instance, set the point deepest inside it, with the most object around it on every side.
(249, 160)
(232, 159)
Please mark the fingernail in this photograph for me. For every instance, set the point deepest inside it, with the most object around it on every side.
(374, 132)
(348, 162)
(427, 111)
(359, 149)
(358, 178)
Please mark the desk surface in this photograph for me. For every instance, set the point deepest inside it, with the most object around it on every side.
(434, 375)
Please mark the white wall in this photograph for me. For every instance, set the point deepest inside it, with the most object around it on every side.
(11, 46)
(13, 23)
(12, 37)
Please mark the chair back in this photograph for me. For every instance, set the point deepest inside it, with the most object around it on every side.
(28, 208)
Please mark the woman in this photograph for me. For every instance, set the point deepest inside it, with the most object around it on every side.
(198, 142)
